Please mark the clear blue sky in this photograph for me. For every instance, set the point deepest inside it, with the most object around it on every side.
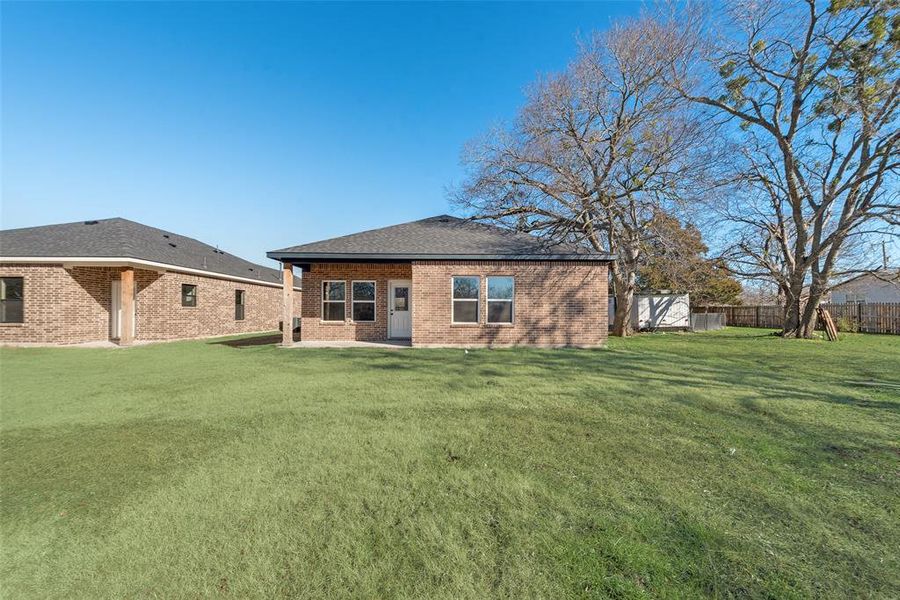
(259, 126)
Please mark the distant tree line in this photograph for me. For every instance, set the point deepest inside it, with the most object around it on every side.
(771, 127)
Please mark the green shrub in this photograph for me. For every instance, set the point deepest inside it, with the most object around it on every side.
(847, 325)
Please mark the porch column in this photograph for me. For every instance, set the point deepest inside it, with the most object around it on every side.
(287, 294)
(126, 336)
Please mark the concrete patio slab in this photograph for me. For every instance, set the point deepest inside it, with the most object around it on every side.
(388, 345)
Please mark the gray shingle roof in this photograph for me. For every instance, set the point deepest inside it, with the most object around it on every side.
(443, 236)
(121, 238)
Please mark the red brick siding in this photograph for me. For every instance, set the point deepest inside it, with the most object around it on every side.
(313, 328)
(160, 315)
(62, 306)
(70, 306)
(556, 303)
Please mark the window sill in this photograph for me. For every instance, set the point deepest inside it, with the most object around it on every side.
(465, 324)
(12, 324)
(500, 324)
(334, 322)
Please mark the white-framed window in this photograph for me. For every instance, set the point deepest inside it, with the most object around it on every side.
(855, 298)
(334, 297)
(466, 294)
(363, 301)
(501, 293)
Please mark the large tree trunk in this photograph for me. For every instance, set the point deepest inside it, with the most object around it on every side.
(800, 314)
(622, 317)
(623, 291)
(809, 318)
(791, 326)
(810, 315)
(793, 307)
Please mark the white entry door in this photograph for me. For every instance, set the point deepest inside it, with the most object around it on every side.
(399, 309)
(115, 311)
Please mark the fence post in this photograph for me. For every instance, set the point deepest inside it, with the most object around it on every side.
(859, 316)
(757, 315)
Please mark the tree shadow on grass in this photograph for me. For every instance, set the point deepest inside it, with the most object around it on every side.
(736, 392)
(248, 342)
(755, 334)
(637, 370)
(74, 471)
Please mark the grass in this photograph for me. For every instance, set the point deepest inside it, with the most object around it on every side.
(727, 464)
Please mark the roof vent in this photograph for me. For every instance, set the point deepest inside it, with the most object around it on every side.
(166, 235)
(173, 245)
(91, 222)
(249, 268)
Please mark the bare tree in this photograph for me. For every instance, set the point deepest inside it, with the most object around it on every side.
(812, 90)
(596, 155)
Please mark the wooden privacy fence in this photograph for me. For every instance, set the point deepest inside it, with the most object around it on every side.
(878, 317)
(875, 317)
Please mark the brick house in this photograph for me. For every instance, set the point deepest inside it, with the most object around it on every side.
(446, 281)
(118, 280)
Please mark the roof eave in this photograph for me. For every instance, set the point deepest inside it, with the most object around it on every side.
(288, 256)
(130, 261)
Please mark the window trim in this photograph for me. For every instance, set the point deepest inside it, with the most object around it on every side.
(488, 300)
(477, 301)
(242, 294)
(22, 322)
(324, 300)
(373, 301)
(196, 295)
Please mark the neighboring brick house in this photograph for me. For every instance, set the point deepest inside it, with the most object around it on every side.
(115, 279)
(446, 281)
(882, 286)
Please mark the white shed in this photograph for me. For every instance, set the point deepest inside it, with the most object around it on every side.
(657, 311)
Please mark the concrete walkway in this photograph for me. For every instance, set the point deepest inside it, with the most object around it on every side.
(96, 344)
(387, 345)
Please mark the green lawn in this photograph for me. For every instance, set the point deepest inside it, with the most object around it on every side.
(723, 464)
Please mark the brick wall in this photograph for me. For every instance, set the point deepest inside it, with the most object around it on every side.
(313, 328)
(160, 315)
(556, 303)
(62, 306)
(69, 306)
